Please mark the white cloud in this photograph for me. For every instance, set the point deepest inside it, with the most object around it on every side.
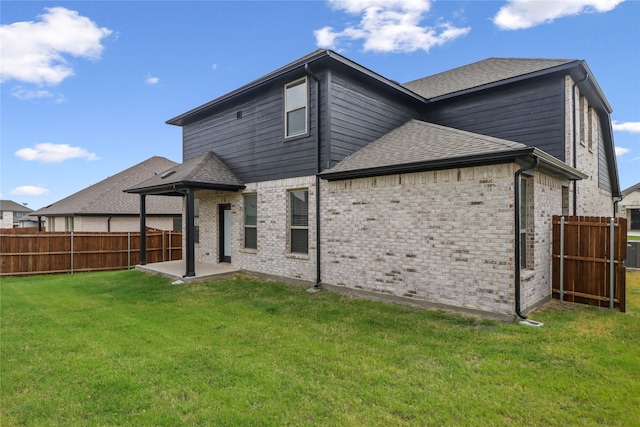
(34, 52)
(30, 94)
(621, 151)
(28, 190)
(389, 26)
(633, 127)
(521, 14)
(151, 80)
(214, 66)
(54, 153)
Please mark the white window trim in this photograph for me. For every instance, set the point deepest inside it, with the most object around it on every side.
(306, 109)
(296, 227)
(244, 201)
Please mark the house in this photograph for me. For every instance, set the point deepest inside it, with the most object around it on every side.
(11, 212)
(104, 207)
(629, 207)
(29, 221)
(438, 192)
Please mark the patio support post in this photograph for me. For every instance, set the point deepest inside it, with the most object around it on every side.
(143, 230)
(191, 234)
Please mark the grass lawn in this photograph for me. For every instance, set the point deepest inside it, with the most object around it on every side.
(630, 237)
(125, 348)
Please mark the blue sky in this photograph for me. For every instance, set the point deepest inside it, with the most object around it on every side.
(87, 86)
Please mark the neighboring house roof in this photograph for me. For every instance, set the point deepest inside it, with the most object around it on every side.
(630, 190)
(107, 197)
(10, 205)
(206, 171)
(418, 146)
(484, 73)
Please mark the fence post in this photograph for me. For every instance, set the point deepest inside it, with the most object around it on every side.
(611, 261)
(129, 250)
(562, 258)
(71, 253)
(170, 244)
(163, 249)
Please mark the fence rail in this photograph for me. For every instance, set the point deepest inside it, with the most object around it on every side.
(588, 260)
(71, 252)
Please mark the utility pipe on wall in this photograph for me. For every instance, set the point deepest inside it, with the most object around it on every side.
(516, 204)
(310, 73)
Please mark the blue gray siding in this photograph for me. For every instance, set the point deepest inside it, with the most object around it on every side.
(604, 180)
(531, 113)
(360, 116)
(254, 146)
(255, 149)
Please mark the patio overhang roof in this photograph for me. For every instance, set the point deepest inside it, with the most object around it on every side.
(205, 172)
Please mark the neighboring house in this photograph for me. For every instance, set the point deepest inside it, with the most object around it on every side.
(438, 192)
(29, 221)
(629, 207)
(11, 213)
(105, 207)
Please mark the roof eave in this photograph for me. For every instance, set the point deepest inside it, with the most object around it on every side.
(176, 188)
(553, 165)
(423, 166)
(185, 117)
(558, 68)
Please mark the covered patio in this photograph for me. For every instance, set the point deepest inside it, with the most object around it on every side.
(204, 172)
(176, 269)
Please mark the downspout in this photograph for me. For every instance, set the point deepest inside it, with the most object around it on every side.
(616, 200)
(575, 140)
(310, 73)
(109, 223)
(516, 204)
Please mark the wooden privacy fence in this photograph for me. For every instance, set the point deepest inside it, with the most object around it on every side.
(71, 252)
(588, 260)
(21, 230)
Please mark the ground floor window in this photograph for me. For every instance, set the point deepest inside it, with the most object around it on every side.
(526, 222)
(299, 221)
(251, 221)
(635, 219)
(196, 220)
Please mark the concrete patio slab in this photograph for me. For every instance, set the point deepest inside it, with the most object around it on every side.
(177, 269)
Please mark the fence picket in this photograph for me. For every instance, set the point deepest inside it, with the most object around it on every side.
(588, 260)
(65, 252)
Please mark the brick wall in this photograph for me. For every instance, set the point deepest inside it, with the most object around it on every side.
(591, 200)
(7, 219)
(272, 256)
(545, 200)
(445, 237)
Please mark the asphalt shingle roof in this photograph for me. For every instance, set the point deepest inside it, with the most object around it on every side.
(480, 73)
(206, 170)
(10, 205)
(107, 198)
(417, 141)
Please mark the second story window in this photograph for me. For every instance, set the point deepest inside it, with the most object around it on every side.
(295, 108)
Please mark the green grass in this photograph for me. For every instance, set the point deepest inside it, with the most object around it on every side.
(630, 237)
(125, 348)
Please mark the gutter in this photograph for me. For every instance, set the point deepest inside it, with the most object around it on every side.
(516, 204)
(310, 73)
